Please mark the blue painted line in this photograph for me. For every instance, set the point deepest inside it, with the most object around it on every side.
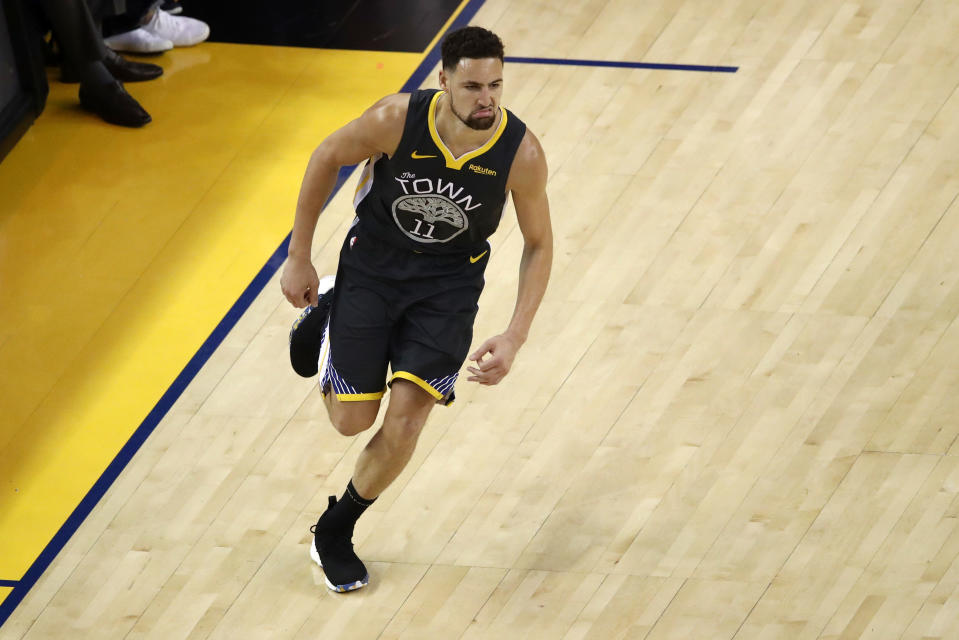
(435, 55)
(22, 587)
(624, 65)
(9, 583)
(150, 423)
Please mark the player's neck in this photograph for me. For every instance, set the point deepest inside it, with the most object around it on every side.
(459, 138)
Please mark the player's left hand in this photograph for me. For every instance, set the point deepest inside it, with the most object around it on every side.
(494, 358)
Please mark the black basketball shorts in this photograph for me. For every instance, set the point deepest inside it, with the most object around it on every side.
(394, 308)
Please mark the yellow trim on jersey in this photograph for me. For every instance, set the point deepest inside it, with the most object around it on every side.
(367, 174)
(420, 382)
(359, 397)
(324, 354)
(457, 163)
(365, 183)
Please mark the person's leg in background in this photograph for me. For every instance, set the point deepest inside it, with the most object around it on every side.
(84, 52)
(119, 67)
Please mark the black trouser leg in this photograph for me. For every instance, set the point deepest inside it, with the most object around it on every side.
(80, 42)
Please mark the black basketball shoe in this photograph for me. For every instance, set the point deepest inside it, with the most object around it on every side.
(333, 551)
(306, 335)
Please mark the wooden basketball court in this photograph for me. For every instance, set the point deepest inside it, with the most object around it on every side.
(736, 415)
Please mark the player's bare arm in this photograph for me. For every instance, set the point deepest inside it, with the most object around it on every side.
(378, 130)
(527, 183)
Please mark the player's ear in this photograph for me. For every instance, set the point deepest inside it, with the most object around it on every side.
(443, 79)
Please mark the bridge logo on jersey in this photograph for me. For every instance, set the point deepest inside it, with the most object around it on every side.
(429, 218)
(432, 211)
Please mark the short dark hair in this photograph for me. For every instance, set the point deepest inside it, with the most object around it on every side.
(470, 42)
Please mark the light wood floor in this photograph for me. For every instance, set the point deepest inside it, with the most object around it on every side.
(737, 413)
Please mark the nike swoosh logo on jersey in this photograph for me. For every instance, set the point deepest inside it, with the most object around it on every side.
(477, 258)
(417, 156)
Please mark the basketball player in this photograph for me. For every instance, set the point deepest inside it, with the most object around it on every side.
(440, 166)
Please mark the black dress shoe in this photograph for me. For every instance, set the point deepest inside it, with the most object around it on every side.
(129, 71)
(112, 103)
(119, 67)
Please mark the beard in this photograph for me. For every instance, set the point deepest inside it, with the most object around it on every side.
(473, 122)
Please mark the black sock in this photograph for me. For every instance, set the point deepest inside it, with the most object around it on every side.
(343, 515)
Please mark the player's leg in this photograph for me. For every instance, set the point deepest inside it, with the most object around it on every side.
(352, 367)
(353, 362)
(350, 418)
(363, 367)
(424, 372)
(384, 457)
(428, 347)
(391, 448)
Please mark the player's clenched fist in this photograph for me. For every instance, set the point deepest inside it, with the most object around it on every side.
(299, 282)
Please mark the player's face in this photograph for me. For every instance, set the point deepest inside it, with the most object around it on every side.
(475, 87)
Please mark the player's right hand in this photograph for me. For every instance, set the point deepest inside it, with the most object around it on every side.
(299, 282)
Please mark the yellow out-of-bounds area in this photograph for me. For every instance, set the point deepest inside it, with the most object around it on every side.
(120, 250)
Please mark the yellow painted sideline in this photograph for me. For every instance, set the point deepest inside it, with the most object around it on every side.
(120, 250)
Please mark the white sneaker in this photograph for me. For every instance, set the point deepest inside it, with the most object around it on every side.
(180, 30)
(138, 41)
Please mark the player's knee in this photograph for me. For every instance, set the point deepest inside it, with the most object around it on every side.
(402, 431)
(351, 422)
(351, 425)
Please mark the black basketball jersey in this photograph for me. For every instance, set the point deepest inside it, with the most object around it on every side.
(426, 200)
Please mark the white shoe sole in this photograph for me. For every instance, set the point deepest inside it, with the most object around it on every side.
(359, 584)
(326, 283)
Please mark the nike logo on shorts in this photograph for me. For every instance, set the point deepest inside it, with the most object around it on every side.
(477, 258)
